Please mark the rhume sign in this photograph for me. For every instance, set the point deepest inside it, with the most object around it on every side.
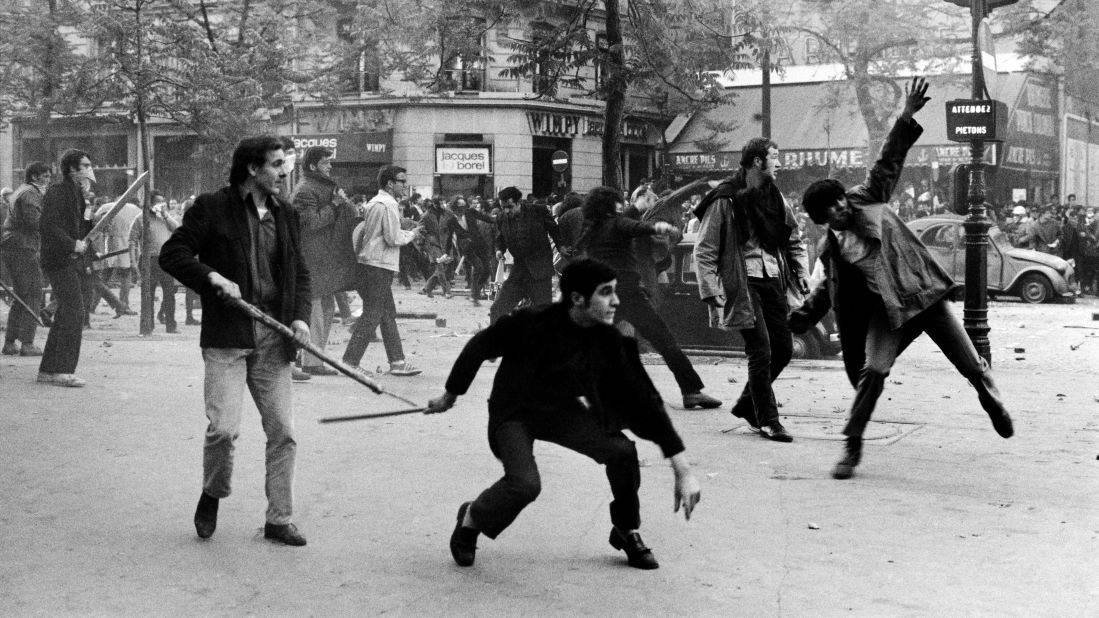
(972, 120)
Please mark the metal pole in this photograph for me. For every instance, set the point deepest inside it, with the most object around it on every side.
(977, 223)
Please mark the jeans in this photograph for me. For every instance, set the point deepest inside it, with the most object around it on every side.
(635, 308)
(62, 351)
(513, 442)
(768, 346)
(320, 322)
(26, 282)
(375, 287)
(266, 372)
(883, 346)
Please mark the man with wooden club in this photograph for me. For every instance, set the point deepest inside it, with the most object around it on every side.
(243, 242)
(566, 376)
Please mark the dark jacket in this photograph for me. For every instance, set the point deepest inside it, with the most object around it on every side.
(611, 241)
(910, 280)
(21, 229)
(523, 231)
(470, 238)
(571, 224)
(62, 224)
(719, 261)
(327, 223)
(549, 363)
(436, 234)
(216, 230)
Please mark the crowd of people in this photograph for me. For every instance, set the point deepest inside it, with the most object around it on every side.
(566, 375)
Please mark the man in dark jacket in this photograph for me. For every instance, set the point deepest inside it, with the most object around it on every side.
(750, 258)
(66, 219)
(248, 246)
(568, 377)
(20, 240)
(327, 221)
(465, 227)
(885, 287)
(609, 236)
(523, 229)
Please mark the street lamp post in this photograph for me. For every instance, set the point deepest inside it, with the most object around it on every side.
(975, 315)
(977, 224)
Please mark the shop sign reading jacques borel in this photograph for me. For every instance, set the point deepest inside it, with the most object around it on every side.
(468, 160)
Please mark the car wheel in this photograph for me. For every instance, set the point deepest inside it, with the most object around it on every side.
(806, 346)
(1035, 288)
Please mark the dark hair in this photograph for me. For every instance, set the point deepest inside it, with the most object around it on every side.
(510, 193)
(1070, 196)
(454, 201)
(572, 200)
(819, 196)
(33, 169)
(314, 155)
(153, 195)
(288, 143)
(756, 147)
(251, 151)
(600, 202)
(583, 276)
(71, 158)
(388, 173)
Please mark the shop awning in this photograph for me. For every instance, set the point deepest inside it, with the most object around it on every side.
(819, 125)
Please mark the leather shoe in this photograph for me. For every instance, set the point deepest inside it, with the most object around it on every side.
(298, 375)
(748, 414)
(286, 533)
(1001, 422)
(29, 349)
(638, 556)
(192, 322)
(776, 432)
(463, 542)
(319, 370)
(845, 468)
(11, 349)
(206, 516)
(700, 400)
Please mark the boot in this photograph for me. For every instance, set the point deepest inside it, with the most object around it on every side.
(845, 469)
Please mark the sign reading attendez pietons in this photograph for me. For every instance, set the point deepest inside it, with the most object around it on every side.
(971, 120)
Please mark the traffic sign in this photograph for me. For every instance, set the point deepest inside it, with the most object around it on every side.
(560, 160)
(970, 120)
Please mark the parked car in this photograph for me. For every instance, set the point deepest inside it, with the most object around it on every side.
(1033, 276)
(687, 316)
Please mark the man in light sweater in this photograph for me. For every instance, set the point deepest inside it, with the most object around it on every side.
(161, 223)
(378, 241)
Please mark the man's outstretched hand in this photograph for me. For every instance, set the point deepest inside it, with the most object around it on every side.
(442, 403)
(915, 97)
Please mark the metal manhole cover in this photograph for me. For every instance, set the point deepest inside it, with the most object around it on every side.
(831, 429)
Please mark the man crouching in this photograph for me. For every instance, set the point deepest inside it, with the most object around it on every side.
(567, 377)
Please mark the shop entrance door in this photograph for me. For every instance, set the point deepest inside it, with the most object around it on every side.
(543, 179)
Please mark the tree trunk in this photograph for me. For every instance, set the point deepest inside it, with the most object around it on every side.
(616, 99)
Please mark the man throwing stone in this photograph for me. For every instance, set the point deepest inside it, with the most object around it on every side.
(885, 287)
(567, 377)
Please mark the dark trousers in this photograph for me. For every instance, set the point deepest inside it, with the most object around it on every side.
(635, 308)
(883, 346)
(97, 289)
(519, 286)
(768, 346)
(62, 351)
(476, 274)
(513, 444)
(168, 289)
(26, 282)
(375, 288)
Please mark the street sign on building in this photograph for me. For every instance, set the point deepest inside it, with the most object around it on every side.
(969, 120)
